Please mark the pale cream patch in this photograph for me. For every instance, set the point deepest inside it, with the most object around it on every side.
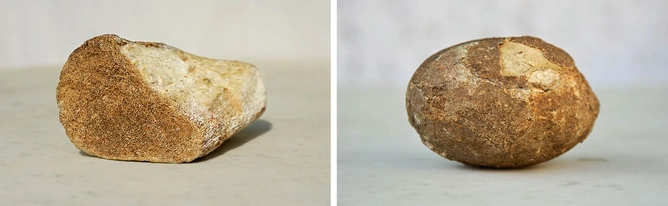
(185, 82)
(521, 60)
(546, 78)
(207, 90)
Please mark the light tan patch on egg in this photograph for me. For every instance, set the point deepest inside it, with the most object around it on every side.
(522, 60)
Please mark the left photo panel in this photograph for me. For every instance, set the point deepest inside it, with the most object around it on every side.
(165, 103)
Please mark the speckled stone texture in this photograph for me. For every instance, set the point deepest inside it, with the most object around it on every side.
(146, 101)
(501, 102)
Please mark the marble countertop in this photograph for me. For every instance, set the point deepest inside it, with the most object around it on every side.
(381, 160)
(281, 159)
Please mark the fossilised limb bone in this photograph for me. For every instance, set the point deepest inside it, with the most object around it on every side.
(146, 101)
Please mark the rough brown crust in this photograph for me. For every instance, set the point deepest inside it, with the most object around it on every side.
(128, 108)
(109, 110)
(467, 109)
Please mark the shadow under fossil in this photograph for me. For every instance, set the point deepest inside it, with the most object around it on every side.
(551, 164)
(528, 168)
(247, 134)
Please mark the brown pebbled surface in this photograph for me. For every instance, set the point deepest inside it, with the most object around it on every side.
(480, 123)
(109, 111)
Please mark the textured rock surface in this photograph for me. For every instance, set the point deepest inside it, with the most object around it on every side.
(501, 102)
(148, 101)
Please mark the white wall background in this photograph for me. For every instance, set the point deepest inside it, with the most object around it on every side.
(614, 43)
(44, 32)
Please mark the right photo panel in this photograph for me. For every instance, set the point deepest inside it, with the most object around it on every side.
(502, 102)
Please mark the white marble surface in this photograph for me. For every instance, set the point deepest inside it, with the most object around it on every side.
(381, 160)
(281, 159)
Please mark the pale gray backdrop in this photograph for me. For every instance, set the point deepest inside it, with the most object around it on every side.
(44, 32)
(382, 42)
